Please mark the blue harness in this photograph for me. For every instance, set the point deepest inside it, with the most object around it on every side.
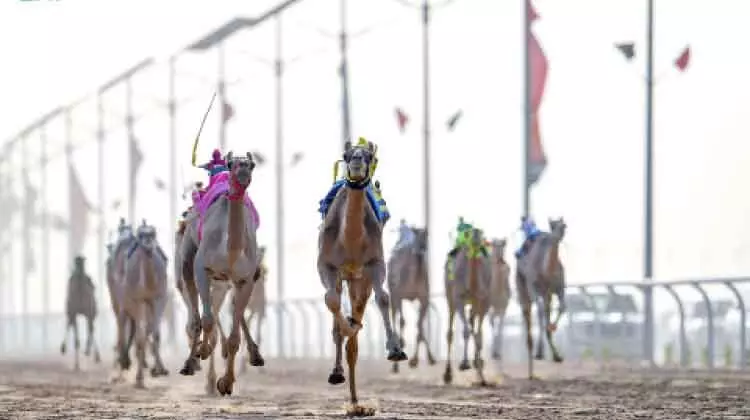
(377, 205)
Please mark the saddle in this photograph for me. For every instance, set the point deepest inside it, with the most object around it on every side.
(219, 186)
(374, 198)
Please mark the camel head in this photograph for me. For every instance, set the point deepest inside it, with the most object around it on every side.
(79, 263)
(240, 173)
(557, 228)
(498, 248)
(358, 160)
(146, 238)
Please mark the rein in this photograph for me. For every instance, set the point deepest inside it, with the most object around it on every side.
(237, 193)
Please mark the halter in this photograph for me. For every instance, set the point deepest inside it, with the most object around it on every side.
(237, 193)
(362, 183)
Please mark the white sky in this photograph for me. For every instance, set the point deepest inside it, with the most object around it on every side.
(592, 118)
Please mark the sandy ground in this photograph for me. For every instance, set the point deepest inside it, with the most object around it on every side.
(50, 389)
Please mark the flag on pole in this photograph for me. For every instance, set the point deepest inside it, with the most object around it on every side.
(401, 119)
(227, 111)
(539, 64)
(627, 49)
(297, 158)
(453, 120)
(683, 60)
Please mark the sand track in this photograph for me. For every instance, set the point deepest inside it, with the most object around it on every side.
(297, 389)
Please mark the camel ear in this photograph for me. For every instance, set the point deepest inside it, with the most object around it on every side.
(371, 146)
(229, 156)
(347, 146)
(249, 156)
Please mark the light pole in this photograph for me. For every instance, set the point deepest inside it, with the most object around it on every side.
(648, 227)
(426, 9)
(280, 256)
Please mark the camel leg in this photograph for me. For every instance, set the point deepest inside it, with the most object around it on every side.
(89, 336)
(549, 331)
(329, 278)
(204, 292)
(540, 313)
(68, 326)
(497, 335)
(424, 307)
(526, 310)
(193, 327)
(154, 328)
(464, 365)
(245, 335)
(397, 314)
(91, 340)
(478, 344)
(141, 337)
(210, 386)
(337, 374)
(359, 300)
(77, 344)
(258, 325)
(448, 375)
(242, 296)
(375, 273)
(253, 349)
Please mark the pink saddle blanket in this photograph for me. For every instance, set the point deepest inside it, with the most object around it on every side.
(218, 186)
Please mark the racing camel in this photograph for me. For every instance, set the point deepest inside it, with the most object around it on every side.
(408, 280)
(80, 301)
(467, 283)
(350, 247)
(142, 302)
(539, 275)
(220, 245)
(499, 295)
(219, 291)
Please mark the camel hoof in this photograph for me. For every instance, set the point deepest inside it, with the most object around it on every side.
(62, 348)
(397, 355)
(431, 361)
(257, 360)
(448, 377)
(356, 410)
(145, 364)
(204, 350)
(125, 362)
(139, 385)
(224, 386)
(394, 368)
(97, 358)
(464, 365)
(557, 358)
(478, 363)
(496, 355)
(189, 368)
(336, 378)
(158, 371)
(87, 352)
(538, 356)
(413, 363)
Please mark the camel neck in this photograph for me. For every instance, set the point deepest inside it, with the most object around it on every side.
(236, 225)
(354, 217)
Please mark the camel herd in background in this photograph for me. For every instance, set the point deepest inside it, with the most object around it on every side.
(216, 250)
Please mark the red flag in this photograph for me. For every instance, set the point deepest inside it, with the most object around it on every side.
(401, 119)
(683, 60)
(227, 111)
(539, 64)
(533, 15)
(78, 210)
